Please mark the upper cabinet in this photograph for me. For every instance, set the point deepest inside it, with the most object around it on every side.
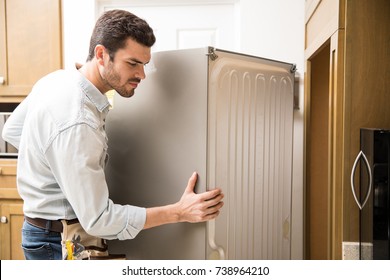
(30, 45)
(322, 19)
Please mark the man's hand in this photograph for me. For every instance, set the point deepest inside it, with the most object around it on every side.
(191, 207)
(202, 207)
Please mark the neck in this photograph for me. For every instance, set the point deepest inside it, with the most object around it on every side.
(91, 71)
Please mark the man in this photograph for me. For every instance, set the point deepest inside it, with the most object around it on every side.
(59, 131)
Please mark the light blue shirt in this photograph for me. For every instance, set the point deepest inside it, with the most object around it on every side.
(59, 132)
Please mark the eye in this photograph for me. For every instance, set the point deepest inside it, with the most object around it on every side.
(132, 63)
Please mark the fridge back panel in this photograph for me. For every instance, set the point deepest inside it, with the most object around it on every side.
(250, 129)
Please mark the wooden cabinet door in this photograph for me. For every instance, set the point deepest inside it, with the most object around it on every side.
(10, 229)
(30, 44)
(8, 179)
(11, 212)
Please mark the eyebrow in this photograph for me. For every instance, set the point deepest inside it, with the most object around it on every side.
(137, 61)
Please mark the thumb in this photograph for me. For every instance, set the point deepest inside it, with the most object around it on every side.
(191, 183)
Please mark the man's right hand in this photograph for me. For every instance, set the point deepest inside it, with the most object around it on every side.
(191, 207)
(201, 207)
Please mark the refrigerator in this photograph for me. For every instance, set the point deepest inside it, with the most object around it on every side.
(373, 194)
(227, 116)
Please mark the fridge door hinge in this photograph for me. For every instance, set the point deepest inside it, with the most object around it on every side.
(293, 68)
(213, 56)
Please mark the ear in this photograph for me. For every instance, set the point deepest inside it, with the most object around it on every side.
(100, 53)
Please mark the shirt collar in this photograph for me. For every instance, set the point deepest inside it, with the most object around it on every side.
(98, 99)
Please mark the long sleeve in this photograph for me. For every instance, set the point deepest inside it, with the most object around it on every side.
(63, 148)
(78, 168)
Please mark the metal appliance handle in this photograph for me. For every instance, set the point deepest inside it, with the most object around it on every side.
(218, 251)
(361, 155)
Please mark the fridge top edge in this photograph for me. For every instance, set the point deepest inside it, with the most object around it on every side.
(292, 65)
(209, 50)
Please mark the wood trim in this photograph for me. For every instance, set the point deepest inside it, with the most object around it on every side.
(334, 217)
(317, 165)
(337, 143)
(326, 17)
(306, 157)
(321, 24)
(310, 8)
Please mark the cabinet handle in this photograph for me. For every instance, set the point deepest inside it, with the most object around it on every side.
(361, 155)
(2, 81)
(3, 220)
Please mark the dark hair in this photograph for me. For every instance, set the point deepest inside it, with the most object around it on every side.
(113, 28)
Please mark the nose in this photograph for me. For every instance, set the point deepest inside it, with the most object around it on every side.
(140, 74)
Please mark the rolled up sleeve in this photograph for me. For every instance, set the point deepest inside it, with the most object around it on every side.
(135, 223)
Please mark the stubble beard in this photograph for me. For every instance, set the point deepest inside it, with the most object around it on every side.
(112, 79)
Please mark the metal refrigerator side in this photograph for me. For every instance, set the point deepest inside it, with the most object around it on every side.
(250, 135)
(157, 139)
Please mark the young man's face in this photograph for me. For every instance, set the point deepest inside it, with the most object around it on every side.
(126, 71)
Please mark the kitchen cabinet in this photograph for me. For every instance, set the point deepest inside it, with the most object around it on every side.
(346, 88)
(11, 212)
(30, 45)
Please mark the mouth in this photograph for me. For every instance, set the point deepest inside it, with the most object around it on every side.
(134, 83)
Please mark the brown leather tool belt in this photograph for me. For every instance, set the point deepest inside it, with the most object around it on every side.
(50, 225)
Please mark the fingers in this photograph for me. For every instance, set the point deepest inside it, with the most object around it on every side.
(212, 212)
(206, 195)
(192, 182)
(214, 201)
(200, 207)
(211, 216)
(212, 194)
(214, 209)
(210, 208)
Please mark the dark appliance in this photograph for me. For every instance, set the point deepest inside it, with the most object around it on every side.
(6, 149)
(374, 194)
